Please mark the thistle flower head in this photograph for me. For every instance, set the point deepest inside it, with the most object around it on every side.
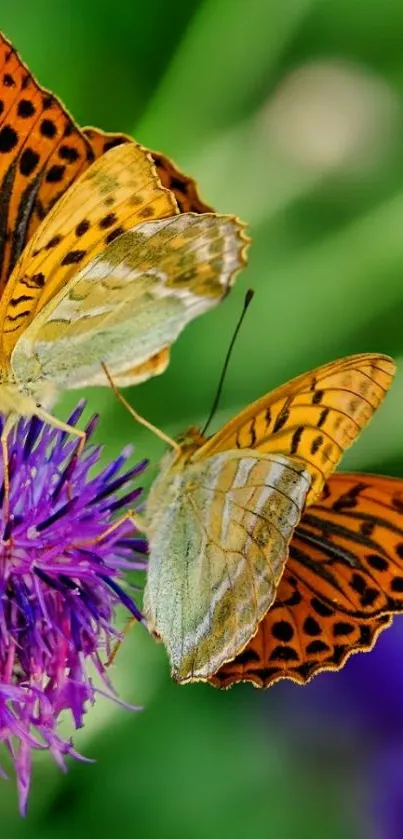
(60, 564)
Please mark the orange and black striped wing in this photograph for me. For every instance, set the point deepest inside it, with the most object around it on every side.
(342, 584)
(42, 152)
(116, 194)
(313, 418)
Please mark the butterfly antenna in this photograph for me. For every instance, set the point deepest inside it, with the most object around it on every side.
(138, 417)
(248, 299)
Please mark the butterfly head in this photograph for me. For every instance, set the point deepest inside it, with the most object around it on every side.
(13, 400)
(23, 398)
(189, 441)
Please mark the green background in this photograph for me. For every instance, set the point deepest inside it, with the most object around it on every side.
(290, 114)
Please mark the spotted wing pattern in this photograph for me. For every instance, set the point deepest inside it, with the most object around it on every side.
(342, 584)
(120, 191)
(131, 302)
(183, 187)
(314, 417)
(42, 152)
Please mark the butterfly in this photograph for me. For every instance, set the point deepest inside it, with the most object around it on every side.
(43, 152)
(221, 515)
(341, 585)
(106, 251)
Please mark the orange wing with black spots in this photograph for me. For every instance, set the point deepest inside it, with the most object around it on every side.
(117, 193)
(313, 418)
(42, 152)
(342, 583)
(183, 187)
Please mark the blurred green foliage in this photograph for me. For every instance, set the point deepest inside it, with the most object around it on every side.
(230, 90)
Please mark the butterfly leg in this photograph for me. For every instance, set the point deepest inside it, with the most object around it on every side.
(134, 518)
(138, 417)
(8, 425)
(129, 624)
(63, 426)
(137, 521)
(139, 524)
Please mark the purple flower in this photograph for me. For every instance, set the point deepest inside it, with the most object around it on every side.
(354, 720)
(60, 566)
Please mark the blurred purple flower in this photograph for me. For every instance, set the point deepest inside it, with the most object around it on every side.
(384, 792)
(59, 585)
(354, 719)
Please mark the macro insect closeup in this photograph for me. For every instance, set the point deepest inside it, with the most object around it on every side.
(201, 524)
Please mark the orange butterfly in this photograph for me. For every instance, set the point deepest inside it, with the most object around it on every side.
(43, 152)
(128, 238)
(221, 515)
(341, 585)
(99, 262)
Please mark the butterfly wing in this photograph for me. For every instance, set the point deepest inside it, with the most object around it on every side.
(132, 301)
(188, 200)
(314, 417)
(42, 152)
(342, 583)
(219, 534)
(119, 191)
(154, 366)
(183, 187)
